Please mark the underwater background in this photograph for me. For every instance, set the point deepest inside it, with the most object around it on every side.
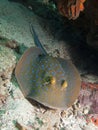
(61, 38)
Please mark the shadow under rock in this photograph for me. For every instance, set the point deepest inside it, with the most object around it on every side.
(83, 56)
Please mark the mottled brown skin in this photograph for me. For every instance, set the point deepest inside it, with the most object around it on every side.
(63, 84)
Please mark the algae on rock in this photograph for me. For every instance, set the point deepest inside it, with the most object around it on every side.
(7, 59)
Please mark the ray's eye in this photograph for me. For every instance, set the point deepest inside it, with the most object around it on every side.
(50, 80)
(64, 84)
(53, 80)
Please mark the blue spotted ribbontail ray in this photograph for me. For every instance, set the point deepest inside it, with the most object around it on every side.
(53, 82)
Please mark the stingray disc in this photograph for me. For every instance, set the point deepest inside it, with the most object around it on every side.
(54, 82)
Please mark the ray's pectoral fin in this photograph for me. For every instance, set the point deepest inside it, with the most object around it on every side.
(23, 71)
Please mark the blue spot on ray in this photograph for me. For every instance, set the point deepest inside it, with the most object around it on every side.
(49, 68)
(42, 66)
(33, 71)
(37, 76)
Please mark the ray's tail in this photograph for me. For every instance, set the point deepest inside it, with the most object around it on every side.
(36, 39)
